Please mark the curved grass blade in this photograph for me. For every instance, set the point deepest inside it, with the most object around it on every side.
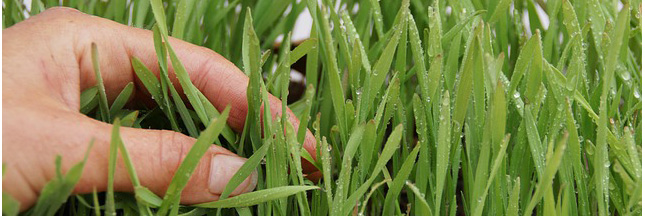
(147, 197)
(546, 180)
(392, 144)
(496, 164)
(423, 205)
(148, 79)
(302, 49)
(188, 165)
(455, 30)
(500, 10)
(256, 197)
(56, 192)
(103, 103)
(245, 170)
(345, 173)
(397, 184)
(89, 99)
(122, 99)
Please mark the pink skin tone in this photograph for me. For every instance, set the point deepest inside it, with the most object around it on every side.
(47, 63)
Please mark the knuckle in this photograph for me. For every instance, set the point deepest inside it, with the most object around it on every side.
(172, 150)
(64, 18)
(62, 12)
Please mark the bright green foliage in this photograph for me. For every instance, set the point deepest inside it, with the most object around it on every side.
(480, 107)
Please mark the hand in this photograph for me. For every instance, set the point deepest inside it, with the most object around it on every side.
(47, 63)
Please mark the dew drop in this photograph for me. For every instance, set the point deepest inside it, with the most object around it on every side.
(637, 94)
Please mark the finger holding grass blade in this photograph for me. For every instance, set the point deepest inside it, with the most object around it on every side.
(156, 154)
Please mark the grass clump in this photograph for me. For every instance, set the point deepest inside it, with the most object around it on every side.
(418, 107)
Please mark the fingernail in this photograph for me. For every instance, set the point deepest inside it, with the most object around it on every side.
(223, 167)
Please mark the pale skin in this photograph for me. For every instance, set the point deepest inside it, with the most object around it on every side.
(47, 63)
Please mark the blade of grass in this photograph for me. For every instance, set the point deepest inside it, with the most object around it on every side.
(103, 103)
(188, 165)
(601, 159)
(122, 99)
(549, 173)
(397, 184)
(390, 147)
(256, 197)
(55, 193)
(423, 205)
(245, 170)
(89, 99)
(443, 149)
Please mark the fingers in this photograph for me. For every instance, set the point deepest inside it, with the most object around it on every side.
(155, 154)
(216, 77)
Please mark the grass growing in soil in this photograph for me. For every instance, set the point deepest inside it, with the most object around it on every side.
(418, 107)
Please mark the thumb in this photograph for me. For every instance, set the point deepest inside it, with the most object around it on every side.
(156, 156)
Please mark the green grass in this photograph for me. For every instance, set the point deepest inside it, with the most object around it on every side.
(415, 110)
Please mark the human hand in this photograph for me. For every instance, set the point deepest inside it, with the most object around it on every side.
(47, 63)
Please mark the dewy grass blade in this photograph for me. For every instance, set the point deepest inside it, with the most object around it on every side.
(187, 167)
(521, 79)
(187, 85)
(333, 74)
(327, 175)
(422, 204)
(513, 200)
(496, 164)
(250, 59)
(103, 103)
(500, 9)
(443, 148)
(180, 70)
(601, 160)
(423, 166)
(374, 82)
(160, 15)
(368, 146)
(523, 62)
(534, 76)
(397, 184)
(392, 144)
(456, 30)
(148, 79)
(257, 197)
(551, 168)
(166, 84)
(378, 18)
(345, 173)
(182, 14)
(212, 112)
(535, 143)
(247, 168)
